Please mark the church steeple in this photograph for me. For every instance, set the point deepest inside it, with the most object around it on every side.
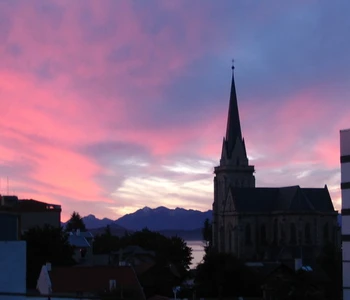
(233, 148)
(233, 172)
(233, 129)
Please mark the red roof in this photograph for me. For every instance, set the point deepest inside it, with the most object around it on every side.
(91, 279)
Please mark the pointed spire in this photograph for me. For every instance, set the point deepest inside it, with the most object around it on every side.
(233, 129)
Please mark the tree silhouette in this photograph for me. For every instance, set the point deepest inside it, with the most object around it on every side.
(207, 234)
(75, 222)
(47, 244)
(224, 275)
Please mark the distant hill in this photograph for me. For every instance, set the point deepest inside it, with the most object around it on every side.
(115, 230)
(162, 218)
(187, 235)
(92, 222)
(179, 221)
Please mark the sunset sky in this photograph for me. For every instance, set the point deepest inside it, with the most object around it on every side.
(110, 106)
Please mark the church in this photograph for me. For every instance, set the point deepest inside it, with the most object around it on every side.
(265, 223)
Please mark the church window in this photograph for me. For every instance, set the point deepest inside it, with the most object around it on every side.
(283, 234)
(275, 231)
(222, 238)
(263, 234)
(293, 234)
(248, 234)
(325, 232)
(307, 233)
(230, 238)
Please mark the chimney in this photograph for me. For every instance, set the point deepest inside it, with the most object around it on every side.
(48, 266)
(298, 263)
(78, 231)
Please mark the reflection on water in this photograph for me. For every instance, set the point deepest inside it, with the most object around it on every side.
(197, 252)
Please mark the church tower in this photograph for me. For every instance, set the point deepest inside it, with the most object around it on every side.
(234, 171)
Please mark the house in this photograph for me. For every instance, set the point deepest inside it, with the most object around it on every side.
(82, 241)
(157, 278)
(281, 279)
(89, 281)
(32, 213)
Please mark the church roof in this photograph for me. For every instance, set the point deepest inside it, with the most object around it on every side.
(289, 199)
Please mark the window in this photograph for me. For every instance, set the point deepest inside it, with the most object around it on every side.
(263, 234)
(275, 231)
(326, 232)
(307, 233)
(293, 234)
(83, 252)
(283, 234)
(230, 238)
(248, 234)
(222, 238)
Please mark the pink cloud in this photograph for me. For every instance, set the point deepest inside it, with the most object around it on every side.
(82, 73)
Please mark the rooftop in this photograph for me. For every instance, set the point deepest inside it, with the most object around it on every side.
(91, 279)
(26, 205)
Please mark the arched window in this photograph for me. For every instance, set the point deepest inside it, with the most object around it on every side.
(248, 234)
(326, 232)
(293, 234)
(283, 233)
(222, 238)
(307, 233)
(263, 234)
(275, 231)
(230, 234)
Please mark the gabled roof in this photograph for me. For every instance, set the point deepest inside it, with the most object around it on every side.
(289, 199)
(78, 241)
(91, 279)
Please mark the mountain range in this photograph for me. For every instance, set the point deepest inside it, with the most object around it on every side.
(169, 222)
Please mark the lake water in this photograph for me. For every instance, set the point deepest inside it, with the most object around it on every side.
(197, 252)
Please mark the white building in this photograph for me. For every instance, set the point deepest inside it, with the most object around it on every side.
(345, 191)
(12, 270)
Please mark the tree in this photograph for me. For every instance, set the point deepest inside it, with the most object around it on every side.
(330, 261)
(47, 244)
(105, 243)
(171, 253)
(167, 250)
(223, 275)
(207, 234)
(75, 222)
